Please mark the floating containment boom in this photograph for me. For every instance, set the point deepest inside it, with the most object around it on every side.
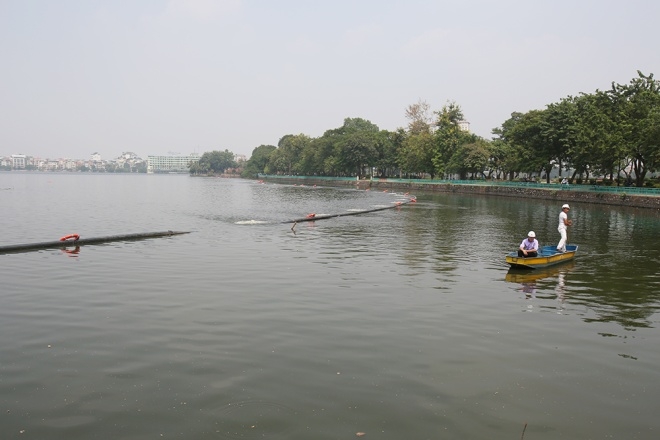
(65, 241)
(313, 217)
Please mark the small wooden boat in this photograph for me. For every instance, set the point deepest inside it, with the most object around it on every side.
(547, 256)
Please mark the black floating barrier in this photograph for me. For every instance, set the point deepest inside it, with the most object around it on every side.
(84, 241)
(311, 218)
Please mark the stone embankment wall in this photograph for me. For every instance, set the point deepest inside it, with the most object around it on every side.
(572, 194)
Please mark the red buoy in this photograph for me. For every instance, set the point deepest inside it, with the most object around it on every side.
(70, 236)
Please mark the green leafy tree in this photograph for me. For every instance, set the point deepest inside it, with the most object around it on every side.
(598, 147)
(521, 137)
(638, 104)
(196, 168)
(258, 160)
(354, 125)
(357, 151)
(290, 148)
(389, 145)
(558, 133)
(307, 163)
(448, 136)
(319, 157)
(349, 149)
(325, 159)
(277, 163)
(471, 158)
(213, 162)
(417, 148)
(416, 154)
(502, 158)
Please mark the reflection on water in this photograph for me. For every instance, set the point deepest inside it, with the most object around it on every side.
(71, 252)
(550, 279)
(530, 276)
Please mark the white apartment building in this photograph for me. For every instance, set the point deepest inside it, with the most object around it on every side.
(464, 125)
(170, 164)
(18, 161)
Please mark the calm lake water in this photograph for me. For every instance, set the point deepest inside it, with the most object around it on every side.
(400, 324)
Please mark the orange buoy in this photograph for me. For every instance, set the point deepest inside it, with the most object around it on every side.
(75, 237)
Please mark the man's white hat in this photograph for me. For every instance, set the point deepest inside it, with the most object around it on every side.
(531, 234)
(565, 206)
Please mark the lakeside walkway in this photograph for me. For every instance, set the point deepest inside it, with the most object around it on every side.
(599, 194)
(505, 183)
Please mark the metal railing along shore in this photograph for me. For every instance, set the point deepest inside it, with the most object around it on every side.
(629, 190)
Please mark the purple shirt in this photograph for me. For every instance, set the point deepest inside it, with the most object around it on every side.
(529, 245)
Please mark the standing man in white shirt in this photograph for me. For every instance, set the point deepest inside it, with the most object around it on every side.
(564, 223)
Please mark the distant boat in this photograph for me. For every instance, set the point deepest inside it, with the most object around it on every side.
(548, 256)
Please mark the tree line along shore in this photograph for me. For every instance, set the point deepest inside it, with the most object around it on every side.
(609, 136)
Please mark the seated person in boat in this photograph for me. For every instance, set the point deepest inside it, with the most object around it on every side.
(529, 247)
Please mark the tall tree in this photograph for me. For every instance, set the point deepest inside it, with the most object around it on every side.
(470, 158)
(522, 133)
(416, 154)
(389, 145)
(558, 129)
(290, 148)
(638, 103)
(215, 162)
(598, 147)
(448, 136)
(502, 158)
(357, 151)
(419, 117)
(258, 160)
(354, 146)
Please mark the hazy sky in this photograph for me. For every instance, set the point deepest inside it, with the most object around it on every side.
(159, 76)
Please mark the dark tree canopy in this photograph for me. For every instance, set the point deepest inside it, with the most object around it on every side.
(216, 162)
